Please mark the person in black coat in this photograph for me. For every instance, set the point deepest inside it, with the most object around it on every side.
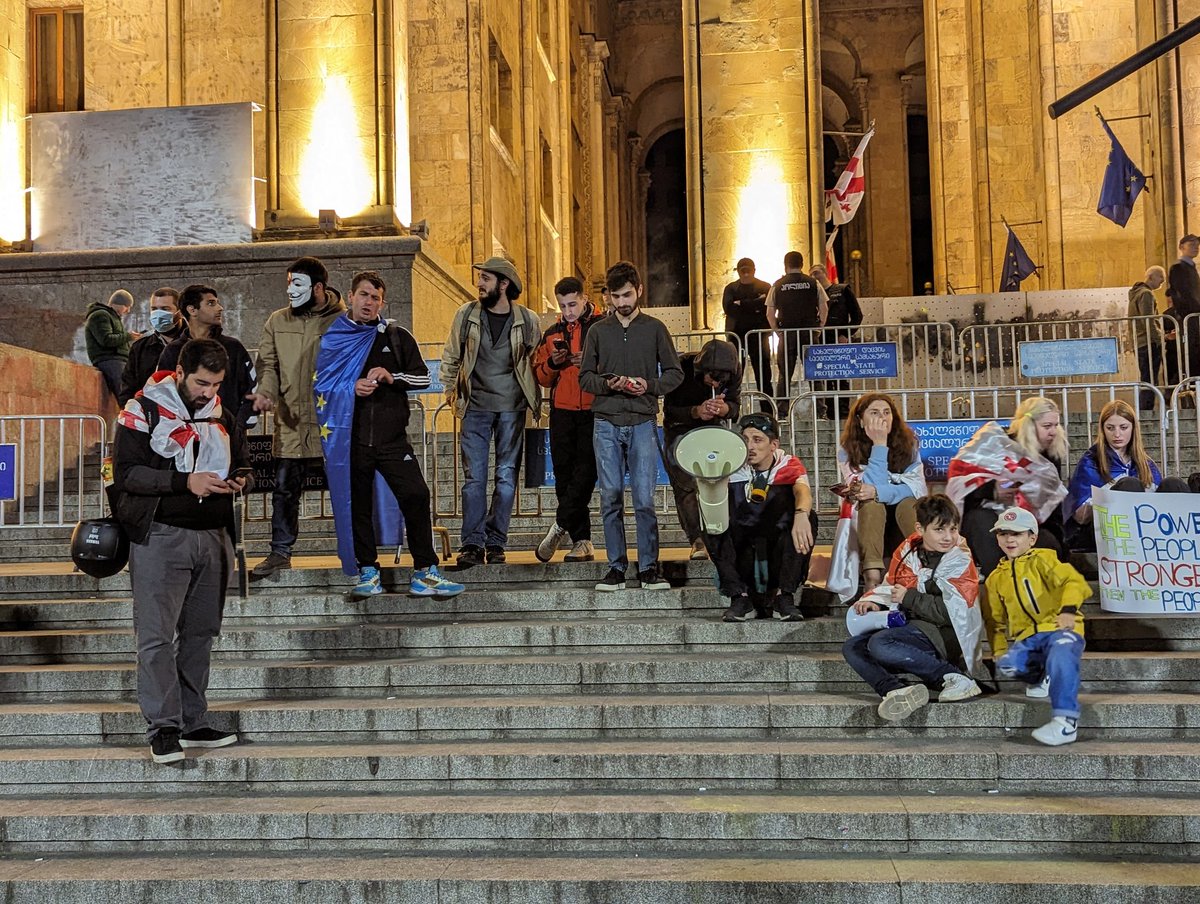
(166, 325)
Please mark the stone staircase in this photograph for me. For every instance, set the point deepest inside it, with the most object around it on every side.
(533, 741)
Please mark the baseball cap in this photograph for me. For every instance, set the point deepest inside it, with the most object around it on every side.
(501, 267)
(744, 262)
(1016, 520)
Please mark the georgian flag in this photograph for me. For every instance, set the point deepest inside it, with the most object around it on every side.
(841, 201)
(831, 269)
(991, 454)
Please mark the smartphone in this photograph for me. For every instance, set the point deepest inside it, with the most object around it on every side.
(240, 473)
(842, 489)
(608, 376)
(561, 345)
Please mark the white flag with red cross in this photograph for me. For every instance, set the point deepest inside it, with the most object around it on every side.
(841, 201)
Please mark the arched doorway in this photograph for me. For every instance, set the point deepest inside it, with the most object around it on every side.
(666, 222)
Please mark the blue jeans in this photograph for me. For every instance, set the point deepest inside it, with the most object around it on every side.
(880, 656)
(636, 449)
(1048, 653)
(483, 525)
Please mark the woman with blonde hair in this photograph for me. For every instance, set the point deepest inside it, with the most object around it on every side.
(1036, 427)
(1117, 460)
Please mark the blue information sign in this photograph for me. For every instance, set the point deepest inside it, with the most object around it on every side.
(435, 378)
(940, 442)
(850, 361)
(1068, 357)
(8, 472)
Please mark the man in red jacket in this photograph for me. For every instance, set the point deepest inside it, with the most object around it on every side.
(556, 366)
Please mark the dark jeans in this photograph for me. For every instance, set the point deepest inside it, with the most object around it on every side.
(880, 656)
(736, 555)
(1149, 361)
(112, 370)
(574, 470)
(285, 503)
(485, 524)
(402, 471)
(977, 524)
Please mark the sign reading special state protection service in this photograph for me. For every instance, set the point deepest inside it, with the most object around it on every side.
(1068, 357)
(941, 440)
(8, 471)
(1147, 552)
(435, 378)
(851, 361)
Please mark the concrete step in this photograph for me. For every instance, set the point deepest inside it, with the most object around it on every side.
(684, 824)
(905, 766)
(358, 877)
(747, 716)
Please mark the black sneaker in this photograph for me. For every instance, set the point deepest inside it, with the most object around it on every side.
(785, 608)
(495, 555)
(165, 747)
(614, 580)
(740, 609)
(207, 737)
(651, 579)
(470, 556)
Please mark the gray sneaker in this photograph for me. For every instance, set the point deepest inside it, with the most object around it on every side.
(549, 546)
(583, 551)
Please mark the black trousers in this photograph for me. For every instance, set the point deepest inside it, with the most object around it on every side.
(758, 350)
(1149, 360)
(574, 459)
(400, 468)
(736, 552)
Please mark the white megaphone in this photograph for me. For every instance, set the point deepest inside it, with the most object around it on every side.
(711, 454)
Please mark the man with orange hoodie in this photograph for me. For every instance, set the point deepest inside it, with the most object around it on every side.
(556, 366)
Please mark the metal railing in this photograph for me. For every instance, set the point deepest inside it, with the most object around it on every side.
(1189, 336)
(1184, 399)
(56, 469)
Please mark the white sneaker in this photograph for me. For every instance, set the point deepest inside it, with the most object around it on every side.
(1059, 730)
(1039, 691)
(549, 546)
(957, 687)
(903, 702)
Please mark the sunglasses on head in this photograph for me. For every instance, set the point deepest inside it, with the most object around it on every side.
(759, 422)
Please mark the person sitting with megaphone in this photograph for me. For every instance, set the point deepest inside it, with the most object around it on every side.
(771, 525)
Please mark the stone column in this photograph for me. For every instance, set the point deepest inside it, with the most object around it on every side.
(753, 113)
(12, 120)
(595, 155)
(639, 233)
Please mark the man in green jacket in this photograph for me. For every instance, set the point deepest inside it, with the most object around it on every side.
(287, 361)
(107, 339)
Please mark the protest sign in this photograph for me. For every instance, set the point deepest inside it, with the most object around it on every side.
(1147, 549)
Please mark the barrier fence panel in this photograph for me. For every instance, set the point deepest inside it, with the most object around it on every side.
(50, 469)
(1186, 435)
(694, 341)
(816, 440)
(1049, 352)
(1189, 336)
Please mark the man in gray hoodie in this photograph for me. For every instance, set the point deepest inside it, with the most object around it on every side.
(629, 363)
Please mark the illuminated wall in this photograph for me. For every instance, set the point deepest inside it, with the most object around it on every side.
(12, 120)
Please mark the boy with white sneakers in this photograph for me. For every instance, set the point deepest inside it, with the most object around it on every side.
(934, 627)
(1035, 603)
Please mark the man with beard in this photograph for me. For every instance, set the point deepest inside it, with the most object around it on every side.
(166, 325)
(203, 314)
(179, 460)
(287, 360)
(629, 363)
(487, 368)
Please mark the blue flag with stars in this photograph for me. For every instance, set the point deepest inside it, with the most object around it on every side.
(340, 361)
(1123, 182)
(1017, 265)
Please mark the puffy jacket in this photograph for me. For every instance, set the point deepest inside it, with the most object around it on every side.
(143, 362)
(1142, 304)
(287, 360)
(106, 336)
(1087, 475)
(563, 379)
(462, 350)
(1026, 594)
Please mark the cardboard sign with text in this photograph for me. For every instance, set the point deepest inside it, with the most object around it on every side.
(1147, 552)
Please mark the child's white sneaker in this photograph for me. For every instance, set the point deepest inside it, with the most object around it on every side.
(1059, 730)
(903, 702)
(1039, 691)
(957, 687)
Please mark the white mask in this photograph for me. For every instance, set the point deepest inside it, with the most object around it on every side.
(299, 289)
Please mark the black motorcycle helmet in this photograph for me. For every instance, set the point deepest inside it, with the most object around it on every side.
(99, 547)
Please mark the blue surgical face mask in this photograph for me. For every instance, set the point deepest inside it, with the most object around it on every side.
(162, 321)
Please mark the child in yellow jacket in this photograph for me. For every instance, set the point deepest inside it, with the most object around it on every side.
(1037, 628)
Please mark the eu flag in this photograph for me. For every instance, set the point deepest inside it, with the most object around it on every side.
(340, 360)
(1017, 265)
(1123, 182)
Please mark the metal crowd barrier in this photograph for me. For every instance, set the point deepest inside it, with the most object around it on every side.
(63, 453)
(1184, 399)
(992, 353)
(1189, 336)
(816, 440)
(695, 340)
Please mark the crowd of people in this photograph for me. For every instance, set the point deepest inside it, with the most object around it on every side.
(336, 374)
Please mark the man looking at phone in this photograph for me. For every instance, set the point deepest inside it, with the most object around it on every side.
(629, 363)
(180, 458)
(556, 366)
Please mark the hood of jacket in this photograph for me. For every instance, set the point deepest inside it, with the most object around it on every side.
(717, 354)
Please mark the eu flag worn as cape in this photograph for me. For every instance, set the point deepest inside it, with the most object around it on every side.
(340, 361)
(1123, 182)
(1017, 265)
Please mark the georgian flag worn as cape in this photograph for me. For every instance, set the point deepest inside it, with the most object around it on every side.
(177, 431)
(991, 454)
(340, 361)
(787, 470)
